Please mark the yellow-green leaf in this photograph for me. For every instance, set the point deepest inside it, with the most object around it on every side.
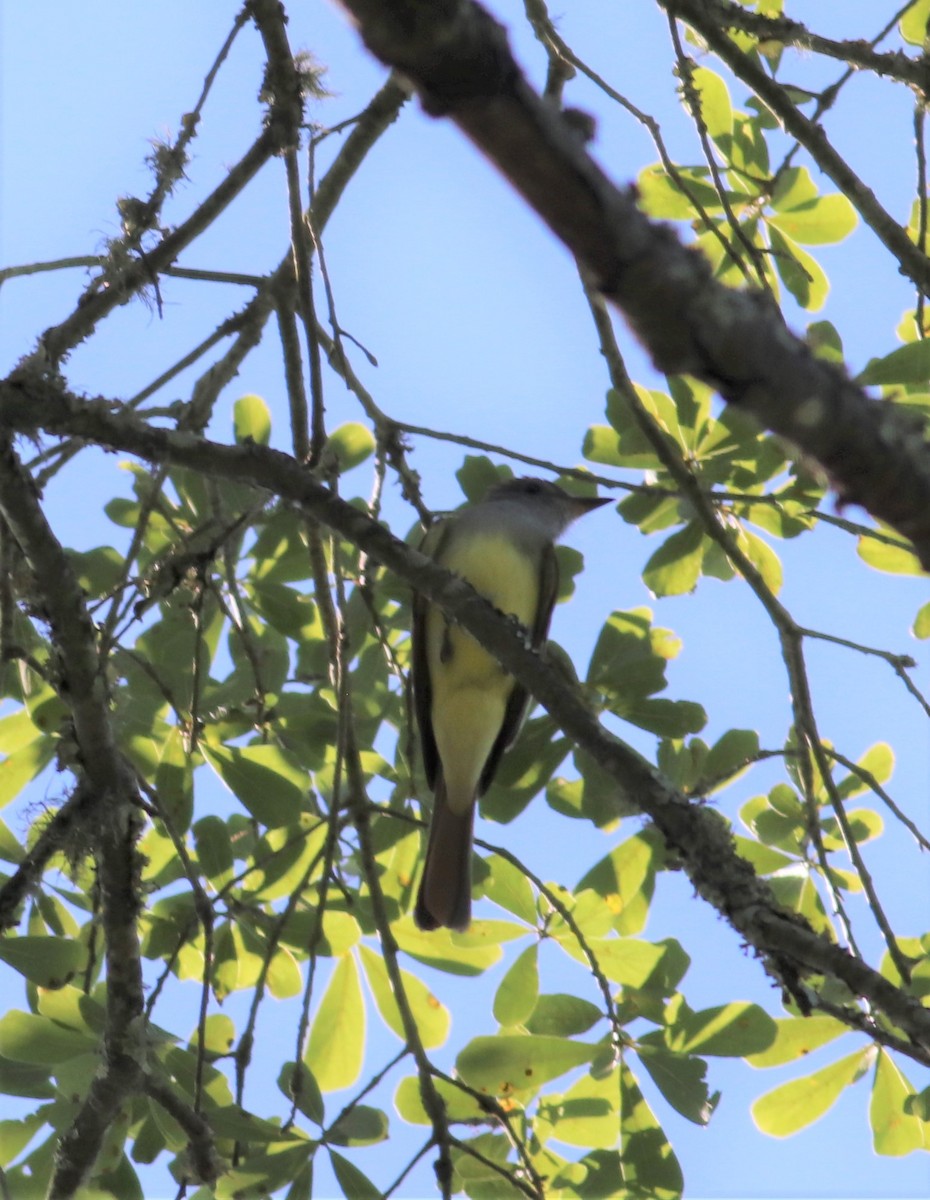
(728, 1030)
(895, 1131)
(675, 567)
(252, 420)
(796, 1037)
(337, 1039)
(588, 1114)
(518, 991)
(349, 445)
(896, 560)
(431, 1016)
(800, 1102)
(512, 1063)
(817, 222)
(716, 110)
(913, 24)
(460, 1106)
(48, 961)
(27, 1038)
(268, 781)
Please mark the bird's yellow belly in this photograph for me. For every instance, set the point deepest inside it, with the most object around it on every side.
(470, 688)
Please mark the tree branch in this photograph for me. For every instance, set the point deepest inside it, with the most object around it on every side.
(789, 946)
(461, 64)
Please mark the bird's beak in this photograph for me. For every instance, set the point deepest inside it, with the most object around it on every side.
(586, 504)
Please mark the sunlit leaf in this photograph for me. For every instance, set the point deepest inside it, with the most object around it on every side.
(895, 1129)
(252, 420)
(500, 1065)
(799, 1102)
(266, 779)
(675, 567)
(349, 445)
(432, 1018)
(588, 1114)
(796, 1037)
(518, 991)
(337, 1037)
(730, 1030)
(27, 1038)
(49, 962)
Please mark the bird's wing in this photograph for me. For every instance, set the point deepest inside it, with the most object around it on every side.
(422, 687)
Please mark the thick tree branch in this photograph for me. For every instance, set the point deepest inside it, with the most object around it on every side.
(458, 58)
(109, 793)
(912, 259)
(892, 64)
(702, 838)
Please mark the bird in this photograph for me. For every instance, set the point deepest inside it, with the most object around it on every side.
(468, 708)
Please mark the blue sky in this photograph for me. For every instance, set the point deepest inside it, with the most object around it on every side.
(476, 319)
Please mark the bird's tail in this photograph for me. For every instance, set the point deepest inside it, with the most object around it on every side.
(444, 897)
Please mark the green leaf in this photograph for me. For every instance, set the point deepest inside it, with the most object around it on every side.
(896, 560)
(15, 1136)
(297, 1084)
(801, 274)
(432, 1018)
(337, 1039)
(349, 445)
(625, 879)
(921, 627)
(728, 1030)
(507, 886)
(667, 718)
(214, 849)
(458, 954)
(561, 1015)
(630, 655)
(460, 1106)
(174, 781)
(98, 570)
(908, 364)
(800, 1102)
(680, 1079)
(648, 1159)
(662, 197)
(266, 779)
(763, 558)
(731, 755)
(895, 1131)
(360, 1126)
(913, 24)
(517, 993)
(251, 420)
(511, 1063)
(588, 1114)
(354, 1183)
(716, 110)
(233, 1121)
(49, 962)
(878, 761)
(219, 1036)
(23, 765)
(27, 1038)
(629, 961)
(796, 1037)
(764, 860)
(818, 221)
(675, 567)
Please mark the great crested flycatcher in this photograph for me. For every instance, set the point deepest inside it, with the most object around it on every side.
(468, 708)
